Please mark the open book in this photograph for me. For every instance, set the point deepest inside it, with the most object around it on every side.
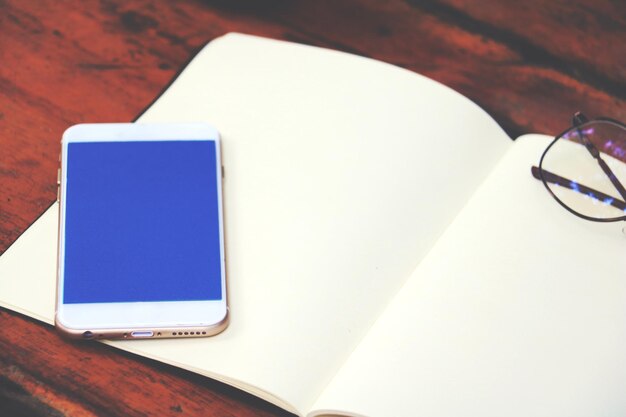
(388, 251)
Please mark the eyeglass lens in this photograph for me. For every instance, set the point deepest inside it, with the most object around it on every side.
(588, 168)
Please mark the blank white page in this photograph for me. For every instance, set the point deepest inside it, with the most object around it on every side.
(519, 310)
(340, 174)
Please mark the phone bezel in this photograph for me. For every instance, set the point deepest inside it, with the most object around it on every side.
(163, 318)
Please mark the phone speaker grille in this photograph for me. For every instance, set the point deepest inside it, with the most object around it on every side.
(188, 333)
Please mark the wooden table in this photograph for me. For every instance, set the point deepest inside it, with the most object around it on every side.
(530, 64)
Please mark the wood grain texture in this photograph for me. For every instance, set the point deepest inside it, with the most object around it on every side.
(91, 379)
(529, 64)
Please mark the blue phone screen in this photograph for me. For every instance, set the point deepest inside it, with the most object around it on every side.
(142, 222)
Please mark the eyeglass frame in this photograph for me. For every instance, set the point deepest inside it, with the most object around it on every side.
(539, 173)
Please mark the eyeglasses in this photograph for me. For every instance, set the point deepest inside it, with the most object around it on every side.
(584, 169)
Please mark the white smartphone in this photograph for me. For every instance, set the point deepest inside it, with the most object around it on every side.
(141, 235)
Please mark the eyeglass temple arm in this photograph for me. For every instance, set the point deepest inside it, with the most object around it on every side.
(580, 119)
(582, 189)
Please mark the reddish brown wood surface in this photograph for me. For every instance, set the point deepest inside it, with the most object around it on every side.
(530, 64)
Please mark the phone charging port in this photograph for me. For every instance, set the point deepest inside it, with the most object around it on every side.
(142, 334)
